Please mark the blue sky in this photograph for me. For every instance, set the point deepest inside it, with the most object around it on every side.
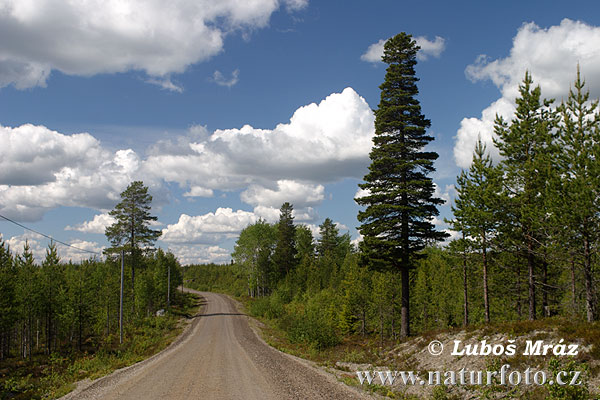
(227, 109)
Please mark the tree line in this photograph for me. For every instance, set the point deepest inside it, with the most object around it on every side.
(56, 306)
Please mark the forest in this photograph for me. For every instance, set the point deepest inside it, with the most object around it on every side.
(527, 243)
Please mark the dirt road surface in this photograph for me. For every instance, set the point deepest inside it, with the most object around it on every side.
(218, 357)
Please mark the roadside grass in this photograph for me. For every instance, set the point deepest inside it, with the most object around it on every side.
(52, 376)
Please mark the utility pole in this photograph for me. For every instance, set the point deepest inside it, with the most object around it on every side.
(121, 299)
(182, 275)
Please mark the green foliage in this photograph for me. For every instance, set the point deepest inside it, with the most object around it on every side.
(437, 292)
(568, 392)
(230, 279)
(252, 252)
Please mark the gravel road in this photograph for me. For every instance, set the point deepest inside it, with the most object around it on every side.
(218, 357)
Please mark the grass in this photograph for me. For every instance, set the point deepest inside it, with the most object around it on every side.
(52, 376)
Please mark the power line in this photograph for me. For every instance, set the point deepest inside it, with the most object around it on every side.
(47, 236)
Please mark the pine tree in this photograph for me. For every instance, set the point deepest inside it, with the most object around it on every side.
(131, 230)
(396, 224)
(30, 295)
(284, 256)
(579, 205)
(475, 207)
(529, 155)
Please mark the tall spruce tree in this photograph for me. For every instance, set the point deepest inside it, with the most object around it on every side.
(131, 230)
(396, 224)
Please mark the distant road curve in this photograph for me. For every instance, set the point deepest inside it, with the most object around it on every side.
(218, 357)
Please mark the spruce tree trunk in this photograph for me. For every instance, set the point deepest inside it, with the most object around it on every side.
(405, 316)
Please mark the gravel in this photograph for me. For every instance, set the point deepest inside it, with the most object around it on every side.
(218, 356)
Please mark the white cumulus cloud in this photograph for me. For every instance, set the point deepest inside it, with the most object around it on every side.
(550, 55)
(208, 228)
(41, 169)
(298, 194)
(89, 37)
(322, 143)
(97, 225)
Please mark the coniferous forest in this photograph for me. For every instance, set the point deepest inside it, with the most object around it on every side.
(525, 243)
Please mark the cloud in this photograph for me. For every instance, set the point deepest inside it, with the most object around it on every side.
(322, 143)
(208, 228)
(199, 191)
(271, 214)
(41, 169)
(550, 55)
(428, 48)
(220, 79)
(374, 52)
(97, 225)
(298, 194)
(86, 38)
(295, 5)
(166, 84)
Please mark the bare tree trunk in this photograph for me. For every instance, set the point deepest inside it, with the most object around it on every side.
(531, 270)
(486, 301)
(589, 284)
(465, 288)
(545, 305)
